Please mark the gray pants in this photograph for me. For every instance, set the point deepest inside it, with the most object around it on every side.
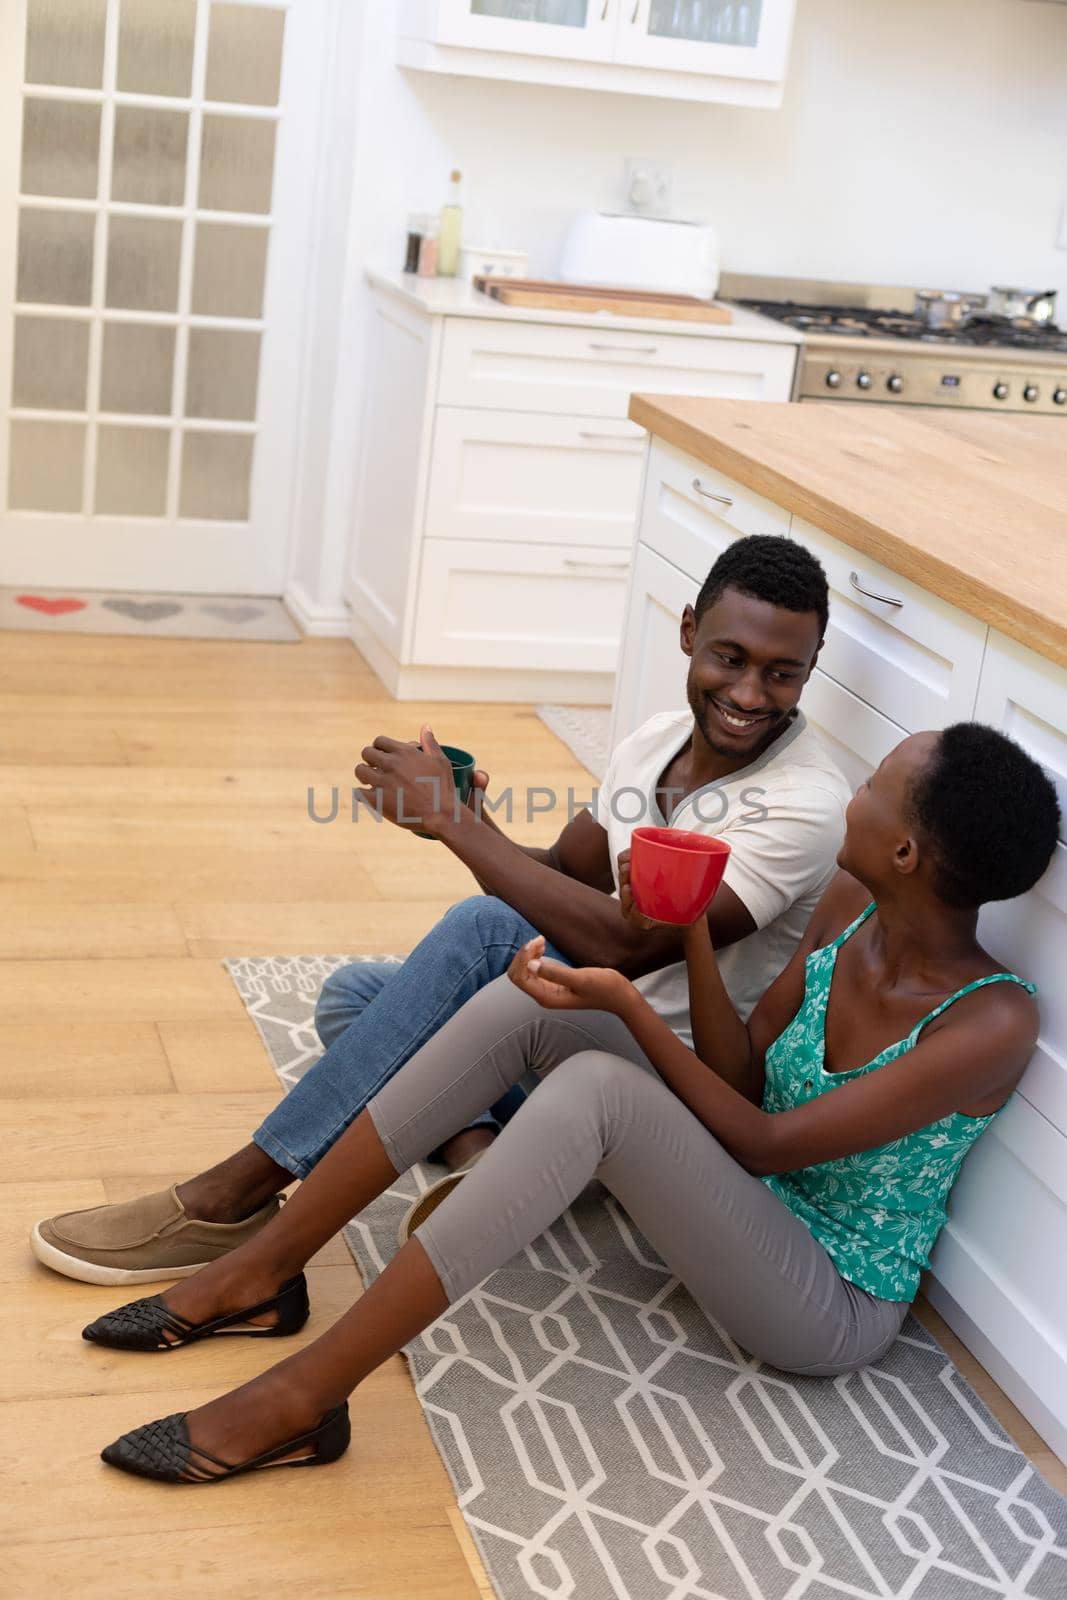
(747, 1261)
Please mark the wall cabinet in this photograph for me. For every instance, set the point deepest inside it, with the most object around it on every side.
(498, 484)
(898, 659)
(734, 50)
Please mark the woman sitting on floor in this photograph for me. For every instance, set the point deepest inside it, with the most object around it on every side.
(793, 1171)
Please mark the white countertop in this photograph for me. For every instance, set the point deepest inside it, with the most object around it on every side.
(452, 297)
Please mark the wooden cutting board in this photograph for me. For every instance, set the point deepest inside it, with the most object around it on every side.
(546, 295)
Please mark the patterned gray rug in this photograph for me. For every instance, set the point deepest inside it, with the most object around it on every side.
(606, 1442)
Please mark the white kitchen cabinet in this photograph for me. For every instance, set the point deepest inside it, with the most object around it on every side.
(722, 38)
(906, 652)
(1023, 693)
(732, 50)
(391, 462)
(652, 668)
(498, 484)
(577, 30)
(518, 477)
(519, 605)
(856, 735)
(591, 370)
(995, 1273)
(690, 515)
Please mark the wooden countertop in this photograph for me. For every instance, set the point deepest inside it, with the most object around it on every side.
(971, 507)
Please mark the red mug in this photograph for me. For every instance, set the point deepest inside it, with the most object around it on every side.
(674, 873)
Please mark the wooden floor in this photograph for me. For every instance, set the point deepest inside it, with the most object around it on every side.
(153, 819)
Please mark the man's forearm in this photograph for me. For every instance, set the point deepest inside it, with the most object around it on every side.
(545, 857)
(585, 923)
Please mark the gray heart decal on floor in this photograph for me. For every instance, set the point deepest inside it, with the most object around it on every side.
(233, 613)
(143, 610)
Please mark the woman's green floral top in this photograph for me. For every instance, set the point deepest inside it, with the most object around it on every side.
(876, 1213)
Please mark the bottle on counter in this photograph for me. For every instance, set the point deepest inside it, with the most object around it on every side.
(428, 248)
(450, 230)
(414, 243)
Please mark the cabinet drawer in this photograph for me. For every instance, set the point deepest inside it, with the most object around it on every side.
(1026, 697)
(652, 669)
(520, 477)
(485, 604)
(690, 512)
(856, 735)
(918, 661)
(592, 371)
(1029, 936)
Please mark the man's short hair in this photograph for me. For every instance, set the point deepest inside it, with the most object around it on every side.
(769, 567)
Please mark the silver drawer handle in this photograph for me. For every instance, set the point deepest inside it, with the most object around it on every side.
(597, 566)
(723, 499)
(626, 349)
(620, 438)
(884, 599)
(604, 13)
(637, 7)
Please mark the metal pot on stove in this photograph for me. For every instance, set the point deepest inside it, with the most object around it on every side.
(1022, 305)
(947, 308)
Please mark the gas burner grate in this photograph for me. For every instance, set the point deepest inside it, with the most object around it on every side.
(862, 322)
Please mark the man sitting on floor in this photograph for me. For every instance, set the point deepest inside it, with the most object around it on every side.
(741, 763)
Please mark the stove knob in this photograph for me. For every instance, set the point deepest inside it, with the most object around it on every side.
(1030, 392)
(1000, 391)
(1059, 397)
(894, 384)
(833, 380)
(863, 381)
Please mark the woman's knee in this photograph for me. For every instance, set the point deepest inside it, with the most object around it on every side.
(595, 1077)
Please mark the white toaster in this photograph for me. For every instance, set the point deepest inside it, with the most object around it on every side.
(630, 252)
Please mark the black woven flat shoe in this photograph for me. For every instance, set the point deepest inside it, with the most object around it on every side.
(162, 1450)
(142, 1324)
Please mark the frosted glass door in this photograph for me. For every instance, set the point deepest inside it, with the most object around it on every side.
(727, 38)
(150, 210)
(581, 30)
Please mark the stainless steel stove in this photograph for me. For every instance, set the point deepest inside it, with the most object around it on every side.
(866, 344)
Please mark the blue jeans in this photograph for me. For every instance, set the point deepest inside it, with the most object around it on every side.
(372, 1017)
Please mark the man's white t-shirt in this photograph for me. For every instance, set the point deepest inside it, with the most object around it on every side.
(784, 818)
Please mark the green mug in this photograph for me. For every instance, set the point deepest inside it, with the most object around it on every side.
(463, 765)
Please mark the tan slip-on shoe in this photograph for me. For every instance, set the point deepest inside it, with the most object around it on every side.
(429, 1200)
(139, 1241)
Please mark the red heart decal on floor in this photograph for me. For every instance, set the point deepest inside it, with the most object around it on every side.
(51, 608)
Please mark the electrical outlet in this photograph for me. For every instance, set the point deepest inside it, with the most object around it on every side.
(647, 187)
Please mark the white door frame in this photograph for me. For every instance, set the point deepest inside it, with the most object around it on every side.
(59, 550)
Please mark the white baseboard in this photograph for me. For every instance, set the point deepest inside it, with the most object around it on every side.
(320, 621)
(479, 685)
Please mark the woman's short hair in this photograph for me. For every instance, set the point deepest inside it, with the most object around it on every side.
(988, 812)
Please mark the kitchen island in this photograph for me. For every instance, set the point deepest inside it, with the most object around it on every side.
(944, 537)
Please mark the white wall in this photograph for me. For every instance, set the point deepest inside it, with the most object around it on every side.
(921, 142)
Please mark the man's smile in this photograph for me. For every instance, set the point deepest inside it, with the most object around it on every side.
(741, 721)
